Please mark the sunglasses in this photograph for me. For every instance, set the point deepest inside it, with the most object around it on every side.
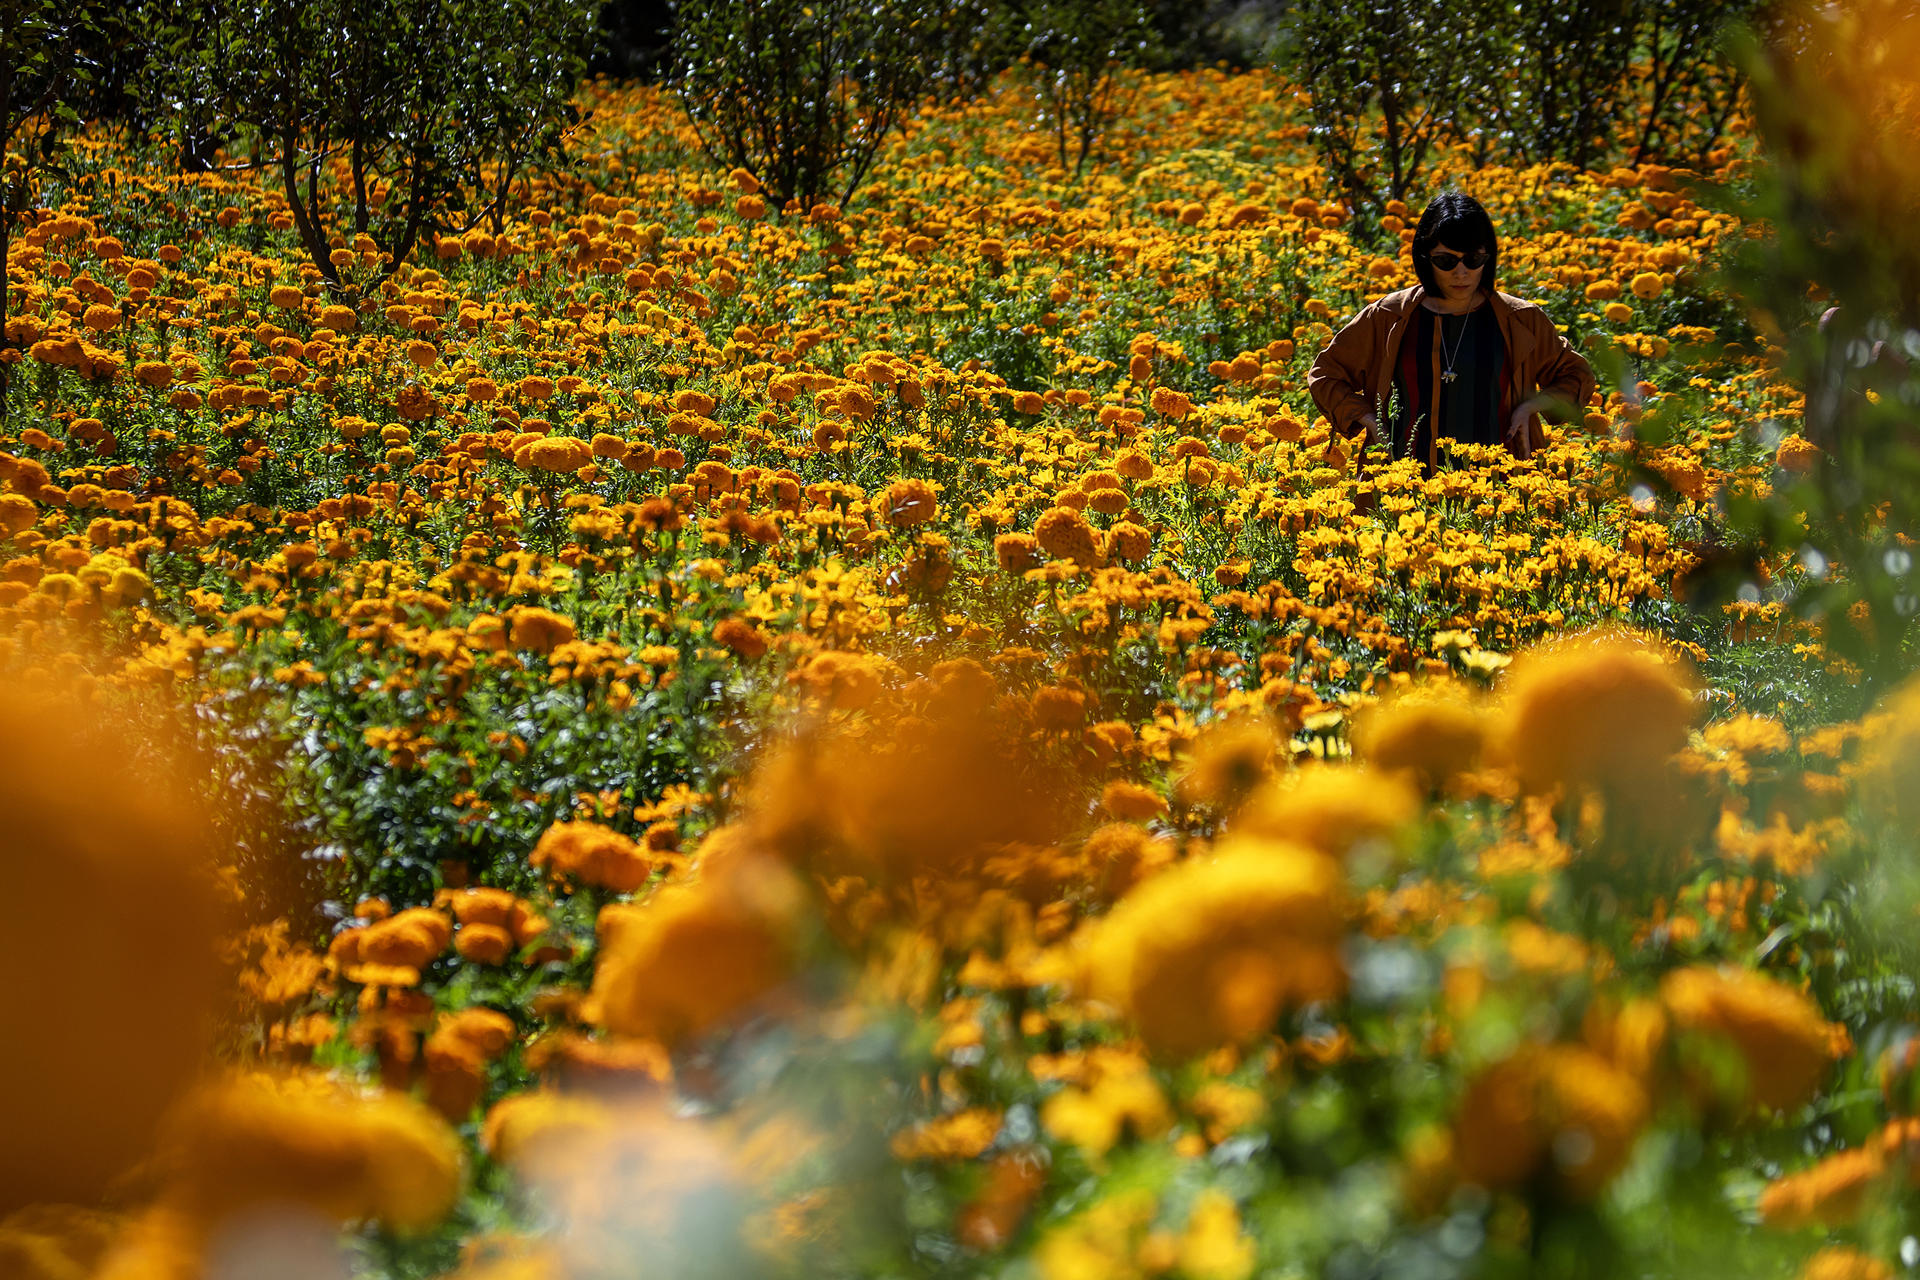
(1446, 261)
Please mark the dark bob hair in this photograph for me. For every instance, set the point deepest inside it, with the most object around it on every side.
(1457, 220)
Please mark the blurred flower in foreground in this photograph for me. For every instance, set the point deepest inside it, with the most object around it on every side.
(1208, 952)
(107, 925)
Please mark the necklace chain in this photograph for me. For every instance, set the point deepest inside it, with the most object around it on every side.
(1447, 375)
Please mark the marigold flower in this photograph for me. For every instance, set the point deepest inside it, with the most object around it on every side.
(1169, 403)
(107, 924)
(1337, 809)
(1227, 761)
(741, 636)
(1560, 1108)
(1784, 1041)
(1797, 455)
(1064, 534)
(590, 854)
(1632, 709)
(1016, 552)
(412, 938)
(255, 1140)
(908, 502)
(1432, 734)
(1647, 285)
(1209, 951)
(483, 943)
(537, 629)
(1842, 1262)
(692, 956)
(561, 455)
(1131, 802)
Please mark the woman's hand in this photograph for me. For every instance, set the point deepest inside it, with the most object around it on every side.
(1517, 427)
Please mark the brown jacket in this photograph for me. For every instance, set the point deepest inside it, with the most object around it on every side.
(1353, 374)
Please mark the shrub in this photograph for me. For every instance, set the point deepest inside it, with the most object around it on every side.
(384, 120)
(803, 96)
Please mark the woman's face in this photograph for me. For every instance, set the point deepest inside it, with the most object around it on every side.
(1462, 281)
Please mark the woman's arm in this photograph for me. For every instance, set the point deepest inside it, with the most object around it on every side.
(1565, 376)
(1338, 378)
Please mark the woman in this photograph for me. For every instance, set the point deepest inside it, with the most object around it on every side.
(1452, 357)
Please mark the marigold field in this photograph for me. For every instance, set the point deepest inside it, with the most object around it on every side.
(676, 740)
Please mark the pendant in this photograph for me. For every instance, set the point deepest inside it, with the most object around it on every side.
(1448, 375)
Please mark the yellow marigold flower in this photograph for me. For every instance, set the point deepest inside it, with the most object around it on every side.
(1888, 778)
(1647, 285)
(537, 629)
(535, 387)
(1618, 313)
(1208, 952)
(1337, 809)
(587, 853)
(960, 1136)
(1432, 734)
(693, 956)
(1227, 761)
(255, 1140)
(1631, 709)
(1784, 1041)
(1121, 1098)
(1213, 1246)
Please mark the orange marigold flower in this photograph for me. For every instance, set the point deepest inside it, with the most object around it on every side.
(741, 636)
(1842, 1262)
(1797, 455)
(561, 455)
(259, 1140)
(1064, 534)
(483, 943)
(1131, 802)
(1016, 552)
(590, 854)
(535, 387)
(411, 939)
(1227, 761)
(908, 502)
(692, 956)
(1560, 1108)
(1784, 1041)
(1169, 403)
(1832, 1193)
(537, 629)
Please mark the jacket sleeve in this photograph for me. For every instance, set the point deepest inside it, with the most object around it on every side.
(1337, 382)
(1564, 372)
